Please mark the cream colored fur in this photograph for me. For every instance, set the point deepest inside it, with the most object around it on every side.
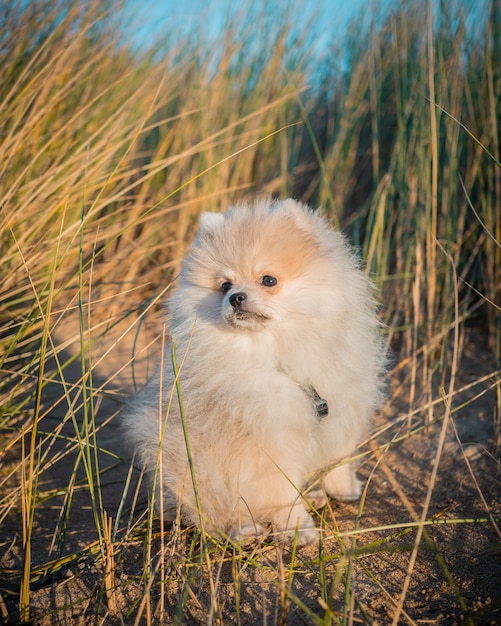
(247, 373)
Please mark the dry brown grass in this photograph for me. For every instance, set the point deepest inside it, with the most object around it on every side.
(107, 160)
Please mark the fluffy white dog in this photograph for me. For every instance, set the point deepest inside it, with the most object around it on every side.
(280, 364)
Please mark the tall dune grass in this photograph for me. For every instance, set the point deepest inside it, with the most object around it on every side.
(107, 158)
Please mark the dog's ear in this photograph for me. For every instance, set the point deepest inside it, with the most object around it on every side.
(209, 222)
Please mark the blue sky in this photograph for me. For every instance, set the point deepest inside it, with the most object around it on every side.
(149, 19)
(326, 22)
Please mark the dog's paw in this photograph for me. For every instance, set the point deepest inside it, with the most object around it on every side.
(316, 499)
(298, 527)
(243, 533)
(349, 494)
(299, 536)
(342, 484)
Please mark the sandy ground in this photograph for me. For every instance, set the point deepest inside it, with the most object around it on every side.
(456, 576)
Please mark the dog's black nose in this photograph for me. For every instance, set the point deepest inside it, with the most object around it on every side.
(237, 299)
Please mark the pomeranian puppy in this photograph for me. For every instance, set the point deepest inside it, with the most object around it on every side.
(279, 364)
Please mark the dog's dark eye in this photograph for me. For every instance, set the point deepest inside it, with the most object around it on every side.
(226, 286)
(269, 281)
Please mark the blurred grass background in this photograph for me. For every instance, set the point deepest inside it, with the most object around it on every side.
(108, 154)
